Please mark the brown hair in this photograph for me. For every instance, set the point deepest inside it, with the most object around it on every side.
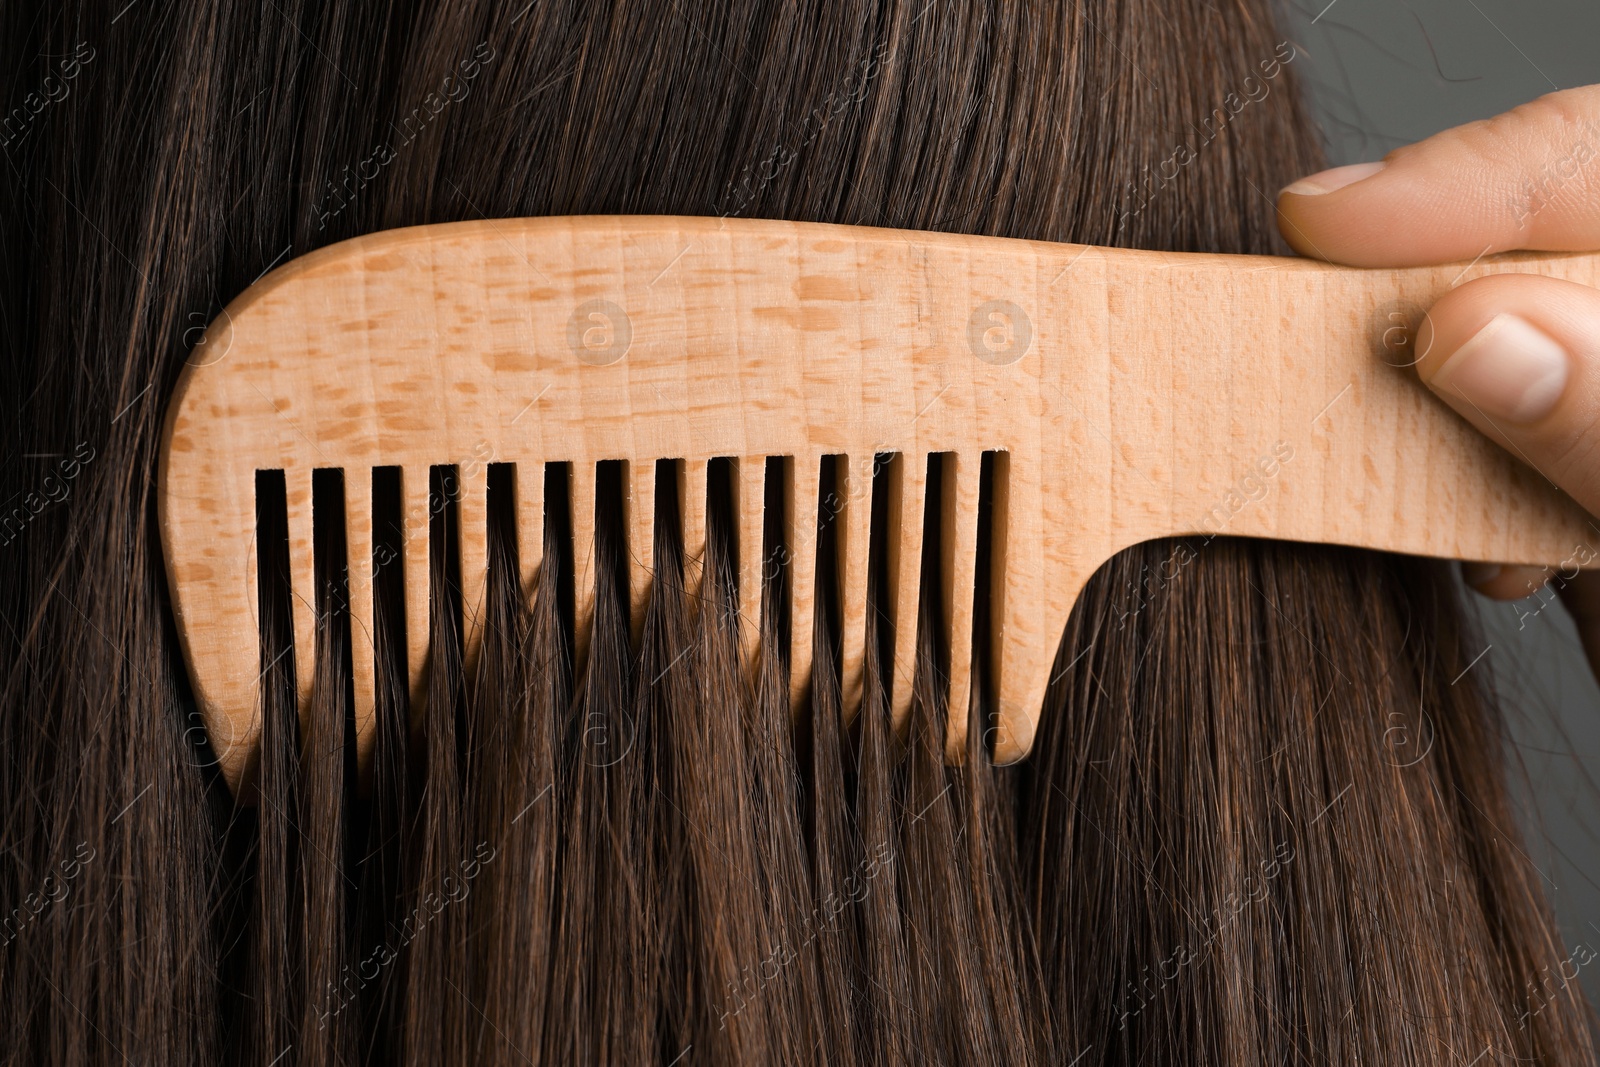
(1265, 819)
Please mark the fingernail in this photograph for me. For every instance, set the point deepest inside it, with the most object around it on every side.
(1510, 369)
(1329, 181)
(1479, 573)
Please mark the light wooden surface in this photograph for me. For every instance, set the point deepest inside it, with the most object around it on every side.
(1132, 395)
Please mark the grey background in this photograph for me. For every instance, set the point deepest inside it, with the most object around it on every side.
(1382, 73)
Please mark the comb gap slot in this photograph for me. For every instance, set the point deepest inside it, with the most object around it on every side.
(556, 575)
(444, 600)
(500, 517)
(827, 611)
(332, 570)
(852, 505)
(275, 614)
(995, 525)
(906, 524)
(882, 555)
(775, 624)
(988, 599)
(691, 493)
(933, 603)
(719, 577)
(802, 517)
(383, 778)
(444, 543)
(581, 487)
(666, 536)
(386, 772)
(328, 751)
(501, 563)
(605, 717)
(610, 544)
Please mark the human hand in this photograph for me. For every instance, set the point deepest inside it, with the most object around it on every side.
(1517, 355)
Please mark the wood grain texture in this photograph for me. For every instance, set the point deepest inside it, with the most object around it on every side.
(1130, 395)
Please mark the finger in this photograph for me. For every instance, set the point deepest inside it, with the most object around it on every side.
(1519, 357)
(1504, 583)
(1527, 179)
(1581, 597)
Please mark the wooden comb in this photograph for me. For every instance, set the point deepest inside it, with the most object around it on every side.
(1121, 396)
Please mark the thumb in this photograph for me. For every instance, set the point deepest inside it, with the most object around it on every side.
(1519, 357)
(1526, 179)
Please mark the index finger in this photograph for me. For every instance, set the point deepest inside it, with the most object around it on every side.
(1528, 179)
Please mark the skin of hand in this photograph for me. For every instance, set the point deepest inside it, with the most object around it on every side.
(1517, 355)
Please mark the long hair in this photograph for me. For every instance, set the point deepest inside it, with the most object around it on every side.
(1265, 819)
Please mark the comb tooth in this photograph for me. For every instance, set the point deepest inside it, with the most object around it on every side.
(908, 482)
(530, 525)
(1022, 645)
(232, 721)
(959, 530)
(801, 481)
(302, 583)
(473, 526)
(581, 487)
(358, 546)
(855, 543)
(692, 507)
(751, 472)
(414, 552)
(641, 507)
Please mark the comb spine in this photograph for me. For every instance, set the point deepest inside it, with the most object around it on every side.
(802, 477)
(959, 530)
